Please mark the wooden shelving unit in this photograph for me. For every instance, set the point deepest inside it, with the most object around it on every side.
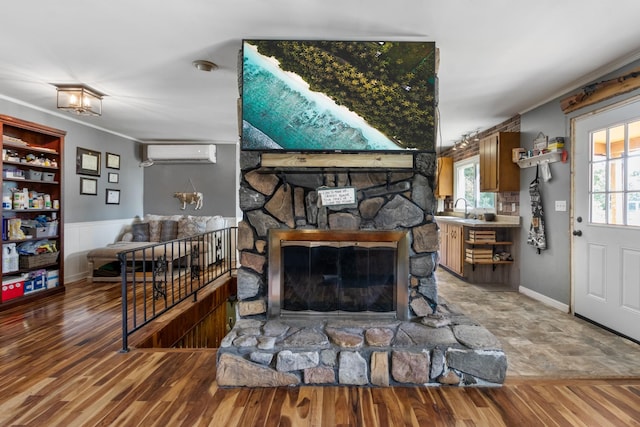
(480, 248)
(32, 158)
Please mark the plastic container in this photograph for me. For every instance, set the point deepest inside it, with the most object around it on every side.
(48, 176)
(10, 258)
(34, 175)
(19, 201)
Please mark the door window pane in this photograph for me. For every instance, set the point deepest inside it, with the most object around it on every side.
(616, 142)
(616, 208)
(598, 209)
(598, 176)
(599, 145)
(616, 177)
(633, 174)
(634, 138)
(633, 208)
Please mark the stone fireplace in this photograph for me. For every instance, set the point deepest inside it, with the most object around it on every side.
(383, 246)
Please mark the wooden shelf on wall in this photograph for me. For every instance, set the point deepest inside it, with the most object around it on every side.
(338, 160)
(552, 157)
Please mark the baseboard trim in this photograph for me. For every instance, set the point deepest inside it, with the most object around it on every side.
(544, 299)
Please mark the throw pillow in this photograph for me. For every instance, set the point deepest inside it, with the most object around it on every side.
(168, 230)
(189, 227)
(154, 230)
(140, 232)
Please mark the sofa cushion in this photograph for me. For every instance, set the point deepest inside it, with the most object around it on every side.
(140, 231)
(168, 230)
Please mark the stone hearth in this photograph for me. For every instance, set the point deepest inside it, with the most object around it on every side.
(449, 349)
(430, 345)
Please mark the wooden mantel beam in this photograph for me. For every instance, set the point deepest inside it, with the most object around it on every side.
(323, 160)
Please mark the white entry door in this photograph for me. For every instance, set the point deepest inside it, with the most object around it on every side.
(606, 218)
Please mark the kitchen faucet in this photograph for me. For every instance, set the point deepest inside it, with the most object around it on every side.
(466, 214)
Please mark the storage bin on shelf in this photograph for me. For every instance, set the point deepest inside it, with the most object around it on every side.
(32, 261)
(476, 255)
(48, 229)
(12, 287)
(34, 175)
(48, 176)
(482, 236)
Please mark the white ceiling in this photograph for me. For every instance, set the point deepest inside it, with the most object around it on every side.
(497, 57)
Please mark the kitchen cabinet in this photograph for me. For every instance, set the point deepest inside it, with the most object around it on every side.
(444, 177)
(32, 213)
(498, 173)
(451, 245)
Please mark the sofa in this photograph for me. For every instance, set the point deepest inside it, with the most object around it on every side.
(103, 263)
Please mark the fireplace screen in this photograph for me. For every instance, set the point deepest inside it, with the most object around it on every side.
(354, 277)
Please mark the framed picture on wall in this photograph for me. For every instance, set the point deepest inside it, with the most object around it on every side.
(113, 178)
(113, 161)
(87, 162)
(112, 196)
(89, 186)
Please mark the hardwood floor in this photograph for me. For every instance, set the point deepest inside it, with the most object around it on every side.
(60, 365)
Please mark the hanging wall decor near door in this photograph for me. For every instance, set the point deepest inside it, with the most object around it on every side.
(536, 231)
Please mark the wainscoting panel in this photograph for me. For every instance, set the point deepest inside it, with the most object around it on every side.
(81, 237)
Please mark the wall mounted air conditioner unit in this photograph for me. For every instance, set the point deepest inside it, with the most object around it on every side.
(181, 153)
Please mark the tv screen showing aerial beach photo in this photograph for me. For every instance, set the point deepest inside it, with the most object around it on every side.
(338, 95)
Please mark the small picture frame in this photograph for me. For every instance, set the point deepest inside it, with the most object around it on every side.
(113, 161)
(87, 162)
(89, 186)
(112, 196)
(113, 178)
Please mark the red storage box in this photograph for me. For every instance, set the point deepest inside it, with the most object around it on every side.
(12, 287)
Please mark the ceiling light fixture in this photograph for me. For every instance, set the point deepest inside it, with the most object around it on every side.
(204, 65)
(79, 99)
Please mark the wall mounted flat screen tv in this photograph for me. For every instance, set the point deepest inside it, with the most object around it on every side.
(338, 96)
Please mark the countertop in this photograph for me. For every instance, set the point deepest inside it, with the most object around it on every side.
(502, 221)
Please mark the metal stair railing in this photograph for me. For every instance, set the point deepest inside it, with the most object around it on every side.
(157, 277)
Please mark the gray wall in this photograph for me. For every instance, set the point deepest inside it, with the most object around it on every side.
(216, 181)
(550, 273)
(81, 208)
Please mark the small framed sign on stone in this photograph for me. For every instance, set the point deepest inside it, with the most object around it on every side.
(337, 196)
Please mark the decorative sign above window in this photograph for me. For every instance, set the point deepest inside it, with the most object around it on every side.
(337, 196)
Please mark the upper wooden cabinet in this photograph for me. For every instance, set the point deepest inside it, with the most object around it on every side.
(497, 171)
(444, 177)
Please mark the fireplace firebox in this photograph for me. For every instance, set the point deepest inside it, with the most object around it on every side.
(341, 273)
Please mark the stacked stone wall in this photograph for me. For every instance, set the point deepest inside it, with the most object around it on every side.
(394, 200)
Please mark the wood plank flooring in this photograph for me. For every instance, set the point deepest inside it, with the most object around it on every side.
(60, 365)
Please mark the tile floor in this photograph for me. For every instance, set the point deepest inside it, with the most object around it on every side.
(541, 341)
